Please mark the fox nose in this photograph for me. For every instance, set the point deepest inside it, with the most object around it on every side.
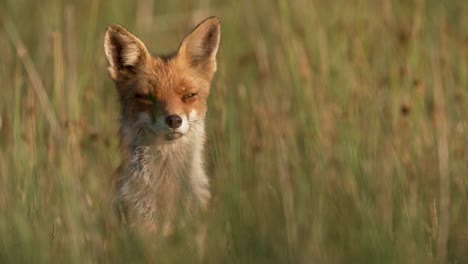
(174, 121)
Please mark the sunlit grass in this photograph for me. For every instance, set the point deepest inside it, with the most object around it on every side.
(337, 132)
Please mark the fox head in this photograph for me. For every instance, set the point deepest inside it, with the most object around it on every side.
(162, 98)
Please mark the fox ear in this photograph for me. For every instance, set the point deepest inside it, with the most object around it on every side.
(124, 51)
(199, 48)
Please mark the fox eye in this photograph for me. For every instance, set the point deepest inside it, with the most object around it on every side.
(189, 95)
(144, 98)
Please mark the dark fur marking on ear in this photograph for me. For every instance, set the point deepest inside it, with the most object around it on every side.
(116, 51)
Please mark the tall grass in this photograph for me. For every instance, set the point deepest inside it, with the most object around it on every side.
(337, 132)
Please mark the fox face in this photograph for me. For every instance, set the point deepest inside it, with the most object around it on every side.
(163, 98)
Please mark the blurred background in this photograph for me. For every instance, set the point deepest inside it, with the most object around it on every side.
(337, 131)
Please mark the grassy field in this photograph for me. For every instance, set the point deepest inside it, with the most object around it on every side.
(337, 131)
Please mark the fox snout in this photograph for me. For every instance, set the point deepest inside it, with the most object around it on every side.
(169, 126)
(173, 121)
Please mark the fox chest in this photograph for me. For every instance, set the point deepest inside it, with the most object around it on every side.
(156, 191)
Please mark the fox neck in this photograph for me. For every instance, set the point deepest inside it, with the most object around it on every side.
(175, 159)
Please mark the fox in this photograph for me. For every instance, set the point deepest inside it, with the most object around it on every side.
(161, 182)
